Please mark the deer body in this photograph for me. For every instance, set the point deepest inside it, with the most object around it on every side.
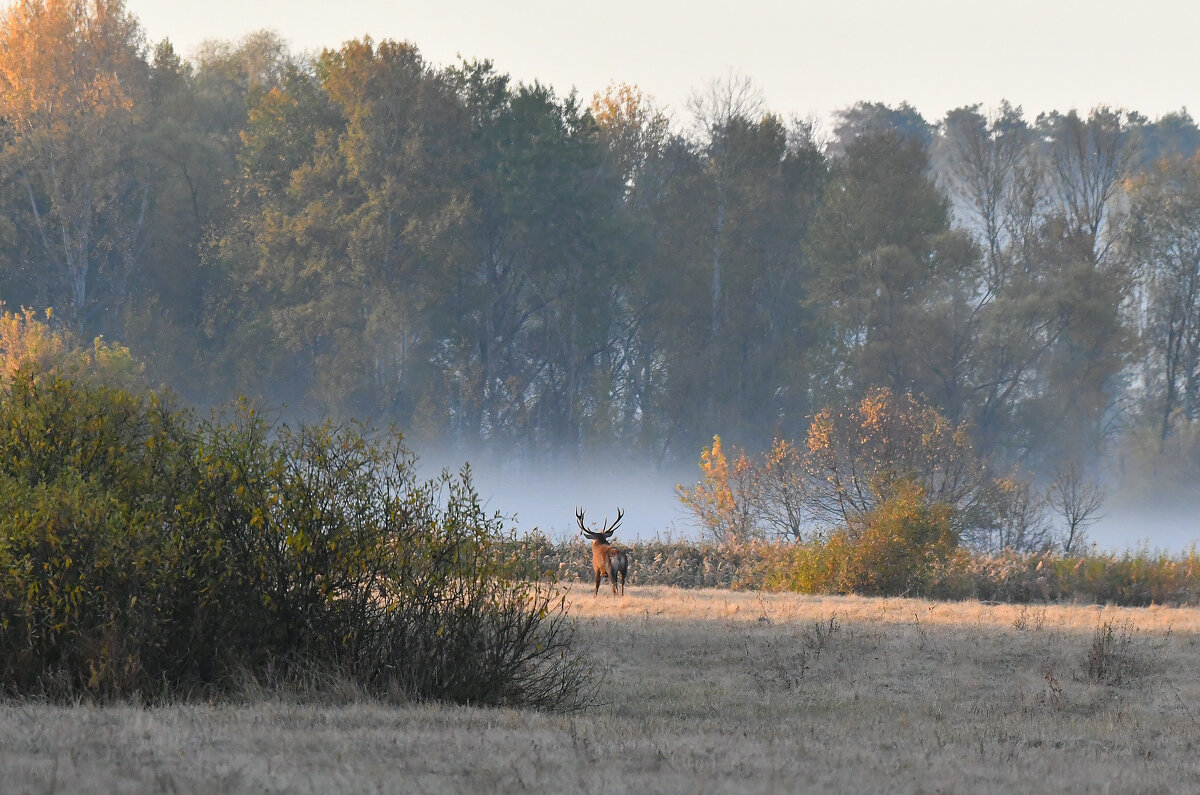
(607, 560)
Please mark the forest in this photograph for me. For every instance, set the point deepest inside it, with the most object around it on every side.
(501, 266)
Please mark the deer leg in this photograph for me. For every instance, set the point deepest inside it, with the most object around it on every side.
(597, 591)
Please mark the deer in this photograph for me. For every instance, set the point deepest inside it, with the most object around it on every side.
(607, 560)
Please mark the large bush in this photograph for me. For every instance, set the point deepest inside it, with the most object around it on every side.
(857, 461)
(145, 553)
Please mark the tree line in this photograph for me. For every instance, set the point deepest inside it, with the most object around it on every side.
(361, 233)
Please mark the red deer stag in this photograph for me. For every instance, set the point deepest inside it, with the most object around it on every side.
(607, 560)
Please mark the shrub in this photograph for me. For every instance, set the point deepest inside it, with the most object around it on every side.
(727, 501)
(902, 546)
(1109, 659)
(851, 464)
(820, 565)
(88, 548)
(29, 344)
(147, 554)
(897, 547)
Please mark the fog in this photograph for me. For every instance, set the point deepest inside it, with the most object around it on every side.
(545, 496)
(1134, 525)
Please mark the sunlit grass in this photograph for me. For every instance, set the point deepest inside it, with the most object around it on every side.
(707, 690)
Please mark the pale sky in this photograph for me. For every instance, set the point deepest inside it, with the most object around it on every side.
(808, 59)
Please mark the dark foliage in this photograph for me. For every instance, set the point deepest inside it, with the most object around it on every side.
(145, 554)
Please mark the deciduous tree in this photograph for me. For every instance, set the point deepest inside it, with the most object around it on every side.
(1162, 239)
(73, 96)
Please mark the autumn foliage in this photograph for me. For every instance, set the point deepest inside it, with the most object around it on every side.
(879, 496)
(726, 500)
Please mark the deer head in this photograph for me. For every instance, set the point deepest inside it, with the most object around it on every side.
(601, 535)
(607, 560)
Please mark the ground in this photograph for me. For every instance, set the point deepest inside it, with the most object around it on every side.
(708, 691)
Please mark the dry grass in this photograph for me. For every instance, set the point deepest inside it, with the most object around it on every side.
(710, 691)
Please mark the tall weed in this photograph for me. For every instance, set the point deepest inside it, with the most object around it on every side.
(835, 564)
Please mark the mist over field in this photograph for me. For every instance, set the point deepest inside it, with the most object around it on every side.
(546, 499)
(1137, 525)
(545, 496)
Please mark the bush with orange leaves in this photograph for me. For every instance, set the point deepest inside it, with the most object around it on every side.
(900, 545)
(32, 344)
(727, 500)
(862, 457)
(880, 497)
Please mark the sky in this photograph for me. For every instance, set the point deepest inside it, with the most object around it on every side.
(809, 59)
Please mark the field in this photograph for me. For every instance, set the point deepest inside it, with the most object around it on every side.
(708, 691)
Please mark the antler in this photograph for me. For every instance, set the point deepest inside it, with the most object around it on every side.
(598, 534)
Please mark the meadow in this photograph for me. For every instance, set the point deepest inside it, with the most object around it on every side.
(704, 690)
